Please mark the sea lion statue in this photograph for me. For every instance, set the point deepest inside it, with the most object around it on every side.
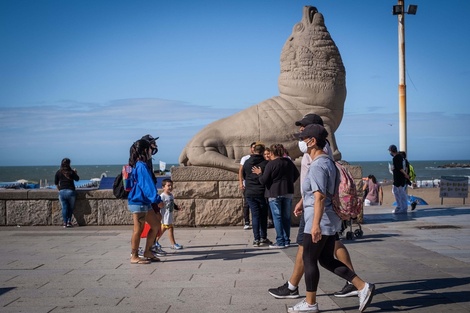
(312, 80)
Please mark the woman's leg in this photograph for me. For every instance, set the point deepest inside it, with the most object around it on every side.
(337, 267)
(139, 221)
(275, 206)
(73, 196)
(310, 257)
(286, 212)
(64, 204)
(152, 219)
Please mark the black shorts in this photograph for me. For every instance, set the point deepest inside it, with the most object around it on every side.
(300, 234)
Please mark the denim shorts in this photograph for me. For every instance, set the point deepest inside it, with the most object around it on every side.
(139, 208)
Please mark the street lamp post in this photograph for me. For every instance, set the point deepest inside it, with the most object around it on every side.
(400, 11)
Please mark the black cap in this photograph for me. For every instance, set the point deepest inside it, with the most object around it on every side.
(393, 148)
(308, 119)
(149, 138)
(313, 131)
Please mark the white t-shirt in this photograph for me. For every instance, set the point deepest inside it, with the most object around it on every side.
(167, 210)
(243, 159)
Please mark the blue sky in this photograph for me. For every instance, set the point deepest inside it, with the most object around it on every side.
(84, 79)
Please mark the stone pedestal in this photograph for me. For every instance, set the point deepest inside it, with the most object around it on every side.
(210, 196)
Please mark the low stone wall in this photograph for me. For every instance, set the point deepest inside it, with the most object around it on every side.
(42, 207)
(207, 196)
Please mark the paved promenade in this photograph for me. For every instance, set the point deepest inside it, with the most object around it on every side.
(420, 262)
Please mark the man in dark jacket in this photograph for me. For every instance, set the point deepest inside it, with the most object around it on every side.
(255, 195)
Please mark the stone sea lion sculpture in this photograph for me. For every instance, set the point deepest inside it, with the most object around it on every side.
(312, 80)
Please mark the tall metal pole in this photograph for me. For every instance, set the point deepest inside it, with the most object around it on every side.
(402, 81)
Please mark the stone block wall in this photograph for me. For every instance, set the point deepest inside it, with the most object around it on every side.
(208, 197)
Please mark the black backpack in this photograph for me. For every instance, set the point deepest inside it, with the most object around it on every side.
(118, 188)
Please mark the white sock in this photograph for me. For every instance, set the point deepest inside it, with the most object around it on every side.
(291, 287)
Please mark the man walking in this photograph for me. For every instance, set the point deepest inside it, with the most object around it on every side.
(400, 178)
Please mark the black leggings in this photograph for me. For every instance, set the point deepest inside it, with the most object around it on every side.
(323, 252)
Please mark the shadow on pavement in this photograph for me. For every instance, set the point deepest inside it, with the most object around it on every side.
(414, 215)
(424, 293)
(219, 254)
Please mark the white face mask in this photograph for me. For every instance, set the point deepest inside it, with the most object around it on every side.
(303, 146)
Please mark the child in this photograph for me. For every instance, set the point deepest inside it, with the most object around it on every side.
(167, 214)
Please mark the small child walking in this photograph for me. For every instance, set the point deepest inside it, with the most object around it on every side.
(167, 214)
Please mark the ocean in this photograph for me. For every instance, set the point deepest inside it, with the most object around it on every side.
(425, 170)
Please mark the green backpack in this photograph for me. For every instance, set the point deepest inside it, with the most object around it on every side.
(412, 173)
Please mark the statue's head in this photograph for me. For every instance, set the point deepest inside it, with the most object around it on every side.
(311, 65)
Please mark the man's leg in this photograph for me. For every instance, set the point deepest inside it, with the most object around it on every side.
(403, 199)
(290, 289)
(246, 213)
(342, 254)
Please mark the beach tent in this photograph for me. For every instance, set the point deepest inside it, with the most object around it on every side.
(417, 200)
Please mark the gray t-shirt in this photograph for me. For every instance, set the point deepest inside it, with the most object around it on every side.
(320, 177)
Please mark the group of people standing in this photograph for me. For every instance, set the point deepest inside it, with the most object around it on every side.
(269, 177)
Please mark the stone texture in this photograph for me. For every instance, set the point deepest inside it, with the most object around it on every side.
(196, 189)
(222, 212)
(3, 217)
(28, 212)
(312, 80)
(187, 214)
(229, 189)
(201, 173)
(13, 194)
(113, 212)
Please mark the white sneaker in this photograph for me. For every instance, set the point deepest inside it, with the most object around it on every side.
(177, 246)
(365, 296)
(276, 246)
(303, 307)
(399, 211)
(246, 227)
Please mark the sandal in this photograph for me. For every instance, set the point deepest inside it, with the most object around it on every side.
(152, 259)
(141, 261)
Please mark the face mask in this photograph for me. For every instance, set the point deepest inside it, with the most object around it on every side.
(303, 146)
(154, 150)
(391, 154)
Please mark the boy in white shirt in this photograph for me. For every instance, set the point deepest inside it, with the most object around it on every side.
(167, 214)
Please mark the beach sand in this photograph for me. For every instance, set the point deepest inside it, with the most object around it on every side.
(430, 195)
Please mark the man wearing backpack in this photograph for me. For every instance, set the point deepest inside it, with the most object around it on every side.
(400, 178)
(290, 289)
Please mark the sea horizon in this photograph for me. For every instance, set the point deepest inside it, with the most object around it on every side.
(425, 170)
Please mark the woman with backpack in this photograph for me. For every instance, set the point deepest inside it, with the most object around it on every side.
(322, 223)
(142, 195)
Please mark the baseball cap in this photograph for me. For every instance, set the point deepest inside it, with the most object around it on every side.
(392, 148)
(149, 138)
(308, 119)
(316, 131)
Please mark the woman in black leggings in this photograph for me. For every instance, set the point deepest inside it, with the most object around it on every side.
(322, 223)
